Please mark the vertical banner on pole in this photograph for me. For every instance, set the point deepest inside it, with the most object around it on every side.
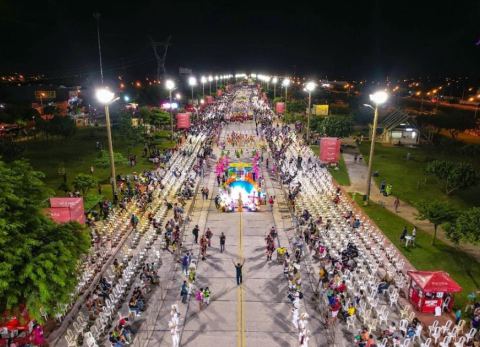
(330, 149)
(280, 107)
(183, 120)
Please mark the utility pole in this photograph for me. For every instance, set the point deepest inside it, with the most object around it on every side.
(161, 58)
(96, 15)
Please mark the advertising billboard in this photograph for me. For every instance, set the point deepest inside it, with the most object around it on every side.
(320, 110)
(330, 149)
(183, 120)
(280, 107)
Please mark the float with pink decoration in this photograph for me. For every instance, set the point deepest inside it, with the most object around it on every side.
(242, 185)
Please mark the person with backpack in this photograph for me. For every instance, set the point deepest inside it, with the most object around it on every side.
(195, 233)
(206, 296)
(184, 292)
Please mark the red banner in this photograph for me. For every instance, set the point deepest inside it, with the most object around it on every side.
(330, 149)
(280, 107)
(183, 120)
(219, 92)
(65, 202)
(64, 210)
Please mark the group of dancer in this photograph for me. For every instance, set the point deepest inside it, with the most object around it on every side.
(240, 139)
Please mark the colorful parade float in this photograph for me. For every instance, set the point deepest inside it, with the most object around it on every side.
(241, 188)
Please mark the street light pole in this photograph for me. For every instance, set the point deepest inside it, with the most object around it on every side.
(372, 149)
(310, 87)
(170, 85)
(171, 114)
(378, 98)
(309, 114)
(110, 151)
(106, 97)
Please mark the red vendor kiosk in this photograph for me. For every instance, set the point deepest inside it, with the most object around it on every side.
(431, 289)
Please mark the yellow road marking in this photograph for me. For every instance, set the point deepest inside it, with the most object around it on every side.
(240, 295)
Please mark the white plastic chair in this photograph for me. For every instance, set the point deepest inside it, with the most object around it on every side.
(403, 326)
(436, 334)
(446, 327)
(432, 327)
(406, 343)
(470, 334)
(383, 343)
(461, 341)
(446, 341)
(427, 343)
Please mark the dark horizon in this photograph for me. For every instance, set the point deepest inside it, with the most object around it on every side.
(349, 40)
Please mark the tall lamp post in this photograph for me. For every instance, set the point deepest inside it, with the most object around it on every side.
(274, 82)
(216, 82)
(106, 97)
(170, 85)
(192, 82)
(285, 84)
(203, 80)
(210, 79)
(309, 87)
(378, 98)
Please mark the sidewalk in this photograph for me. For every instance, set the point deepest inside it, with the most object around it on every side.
(358, 176)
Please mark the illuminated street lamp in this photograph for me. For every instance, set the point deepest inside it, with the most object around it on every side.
(309, 87)
(274, 81)
(378, 98)
(216, 82)
(192, 81)
(178, 96)
(203, 80)
(285, 84)
(170, 86)
(106, 97)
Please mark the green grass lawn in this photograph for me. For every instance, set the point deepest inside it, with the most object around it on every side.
(408, 179)
(461, 267)
(78, 153)
(340, 175)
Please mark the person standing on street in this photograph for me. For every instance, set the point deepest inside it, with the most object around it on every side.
(184, 292)
(185, 264)
(396, 203)
(238, 270)
(209, 236)
(271, 201)
(222, 242)
(195, 233)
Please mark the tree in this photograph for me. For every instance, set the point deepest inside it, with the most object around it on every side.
(437, 212)
(130, 134)
(335, 126)
(103, 159)
(455, 175)
(62, 126)
(39, 258)
(466, 227)
(159, 118)
(296, 106)
(10, 150)
(84, 183)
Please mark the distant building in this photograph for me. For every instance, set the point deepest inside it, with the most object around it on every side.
(398, 128)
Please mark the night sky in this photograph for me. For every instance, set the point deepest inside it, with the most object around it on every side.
(357, 39)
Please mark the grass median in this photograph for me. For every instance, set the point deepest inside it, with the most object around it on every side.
(424, 256)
